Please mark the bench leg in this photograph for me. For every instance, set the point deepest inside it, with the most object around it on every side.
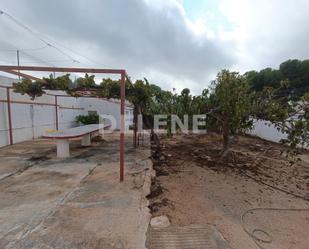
(63, 148)
(86, 140)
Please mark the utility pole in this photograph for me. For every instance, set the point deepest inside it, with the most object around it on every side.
(18, 62)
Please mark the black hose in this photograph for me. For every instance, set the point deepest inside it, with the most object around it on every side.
(255, 232)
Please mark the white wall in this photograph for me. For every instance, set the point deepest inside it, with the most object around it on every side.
(69, 108)
(266, 130)
(107, 106)
(7, 81)
(31, 119)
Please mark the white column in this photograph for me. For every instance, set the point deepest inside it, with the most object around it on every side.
(86, 140)
(63, 148)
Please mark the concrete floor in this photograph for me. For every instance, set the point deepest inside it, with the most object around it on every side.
(78, 202)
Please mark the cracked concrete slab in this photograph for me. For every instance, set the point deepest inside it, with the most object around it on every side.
(77, 202)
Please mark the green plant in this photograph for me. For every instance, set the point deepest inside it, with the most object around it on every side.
(59, 83)
(86, 82)
(231, 105)
(92, 118)
(27, 86)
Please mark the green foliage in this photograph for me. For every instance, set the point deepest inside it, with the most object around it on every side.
(111, 89)
(36, 88)
(231, 101)
(162, 102)
(288, 116)
(86, 82)
(230, 104)
(265, 78)
(295, 71)
(92, 118)
(138, 93)
(184, 102)
(27, 86)
(59, 83)
(291, 69)
(168, 103)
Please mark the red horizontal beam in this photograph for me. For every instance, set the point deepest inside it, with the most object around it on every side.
(69, 96)
(41, 103)
(26, 103)
(93, 97)
(63, 69)
(23, 75)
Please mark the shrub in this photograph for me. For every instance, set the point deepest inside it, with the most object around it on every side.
(92, 118)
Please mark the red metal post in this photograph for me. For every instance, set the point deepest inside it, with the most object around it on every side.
(124, 76)
(9, 115)
(122, 112)
(56, 108)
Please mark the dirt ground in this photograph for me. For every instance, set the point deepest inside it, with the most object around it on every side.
(255, 198)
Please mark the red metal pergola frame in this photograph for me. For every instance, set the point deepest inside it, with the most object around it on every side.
(16, 71)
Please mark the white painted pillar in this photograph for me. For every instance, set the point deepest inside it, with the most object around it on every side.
(63, 148)
(86, 140)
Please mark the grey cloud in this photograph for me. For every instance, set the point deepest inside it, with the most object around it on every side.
(129, 34)
(268, 32)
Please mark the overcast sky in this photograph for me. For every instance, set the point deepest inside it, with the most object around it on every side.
(173, 43)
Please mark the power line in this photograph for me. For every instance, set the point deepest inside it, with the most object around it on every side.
(48, 44)
(31, 56)
(50, 61)
(32, 49)
(77, 53)
(41, 48)
(24, 49)
(6, 61)
(38, 59)
(47, 62)
(38, 36)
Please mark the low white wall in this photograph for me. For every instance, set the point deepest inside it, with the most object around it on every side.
(108, 107)
(266, 130)
(31, 119)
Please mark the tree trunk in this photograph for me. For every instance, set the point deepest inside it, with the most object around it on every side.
(226, 139)
(156, 140)
(136, 112)
(135, 115)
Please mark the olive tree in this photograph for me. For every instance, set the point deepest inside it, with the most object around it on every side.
(289, 116)
(230, 103)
